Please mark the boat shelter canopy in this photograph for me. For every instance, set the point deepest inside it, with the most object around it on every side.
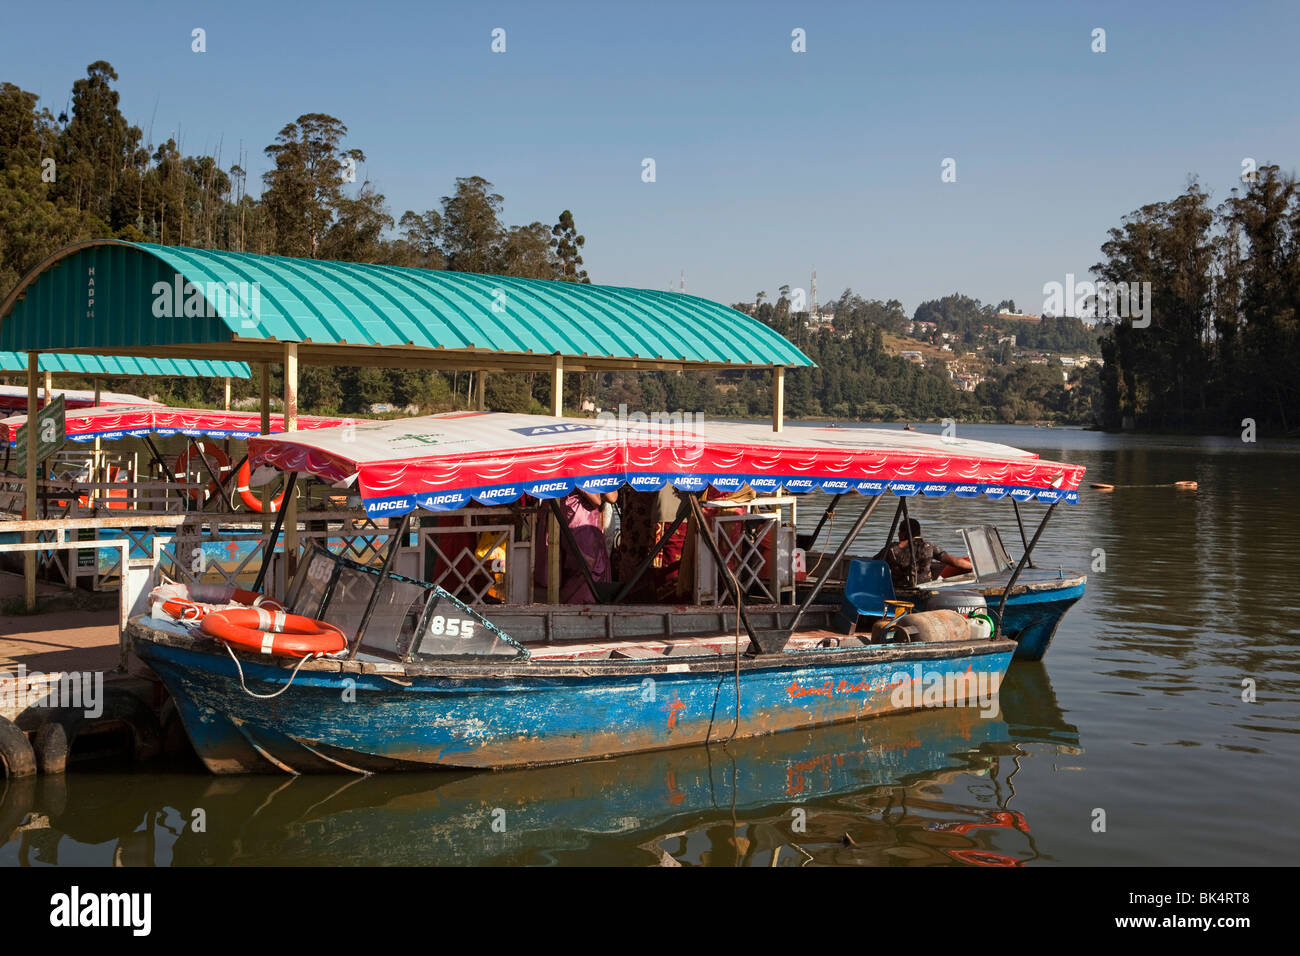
(111, 423)
(109, 297)
(13, 399)
(443, 462)
(113, 366)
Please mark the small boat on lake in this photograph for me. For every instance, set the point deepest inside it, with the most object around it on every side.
(427, 679)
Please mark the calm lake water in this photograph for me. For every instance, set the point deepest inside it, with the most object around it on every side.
(1137, 711)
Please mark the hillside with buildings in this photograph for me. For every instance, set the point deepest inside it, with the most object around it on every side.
(953, 357)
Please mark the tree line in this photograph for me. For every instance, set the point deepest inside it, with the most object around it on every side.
(1223, 338)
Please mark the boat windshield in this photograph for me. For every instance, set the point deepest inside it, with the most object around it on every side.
(411, 620)
(988, 556)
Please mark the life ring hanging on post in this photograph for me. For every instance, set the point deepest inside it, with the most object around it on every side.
(250, 500)
(217, 458)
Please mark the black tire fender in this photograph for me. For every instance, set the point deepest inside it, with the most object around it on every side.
(16, 754)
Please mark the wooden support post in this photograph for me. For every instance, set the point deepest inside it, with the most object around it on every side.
(49, 387)
(552, 522)
(29, 512)
(778, 398)
(96, 457)
(226, 406)
(557, 387)
(552, 558)
(290, 425)
(264, 375)
(480, 389)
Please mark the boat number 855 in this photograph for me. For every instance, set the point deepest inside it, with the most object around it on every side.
(451, 626)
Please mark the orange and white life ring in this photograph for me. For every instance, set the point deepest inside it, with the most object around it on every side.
(251, 501)
(216, 457)
(273, 632)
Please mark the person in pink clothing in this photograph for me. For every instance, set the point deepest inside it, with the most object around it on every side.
(582, 513)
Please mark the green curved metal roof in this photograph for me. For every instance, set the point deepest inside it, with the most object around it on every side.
(344, 303)
(72, 363)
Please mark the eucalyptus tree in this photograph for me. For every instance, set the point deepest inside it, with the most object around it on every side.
(567, 245)
(471, 226)
(97, 146)
(526, 251)
(304, 192)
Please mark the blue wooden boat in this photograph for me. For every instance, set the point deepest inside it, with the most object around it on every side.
(428, 680)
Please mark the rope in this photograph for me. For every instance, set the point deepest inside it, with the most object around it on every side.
(830, 531)
(239, 667)
(736, 727)
(708, 734)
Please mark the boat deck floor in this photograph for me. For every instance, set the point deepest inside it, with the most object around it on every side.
(701, 646)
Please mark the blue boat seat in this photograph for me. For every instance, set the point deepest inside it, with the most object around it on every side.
(867, 589)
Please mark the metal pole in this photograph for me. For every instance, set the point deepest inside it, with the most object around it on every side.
(290, 426)
(275, 535)
(732, 585)
(96, 457)
(33, 452)
(911, 541)
(839, 554)
(207, 466)
(893, 525)
(566, 535)
(997, 631)
(830, 510)
(167, 472)
(389, 560)
(1015, 504)
(682, 511)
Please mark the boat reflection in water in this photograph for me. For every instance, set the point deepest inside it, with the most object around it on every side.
(858, 793)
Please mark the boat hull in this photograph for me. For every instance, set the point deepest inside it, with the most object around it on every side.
(1034, 608)
(367, 717)
(1031, 619)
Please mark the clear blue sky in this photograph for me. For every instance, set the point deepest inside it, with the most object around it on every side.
(768, 161)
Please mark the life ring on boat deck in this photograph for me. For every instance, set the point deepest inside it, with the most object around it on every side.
(216, 457)
(251, 501)
(274, 632)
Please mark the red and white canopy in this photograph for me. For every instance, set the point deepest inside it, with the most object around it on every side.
(442, 462)
(13, 399)
(132, 421)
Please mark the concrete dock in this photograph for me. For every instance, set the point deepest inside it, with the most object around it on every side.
(72, 633)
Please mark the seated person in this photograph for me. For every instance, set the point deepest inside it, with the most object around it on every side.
(931, 560)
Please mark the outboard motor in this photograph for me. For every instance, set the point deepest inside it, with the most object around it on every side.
(965, 603)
